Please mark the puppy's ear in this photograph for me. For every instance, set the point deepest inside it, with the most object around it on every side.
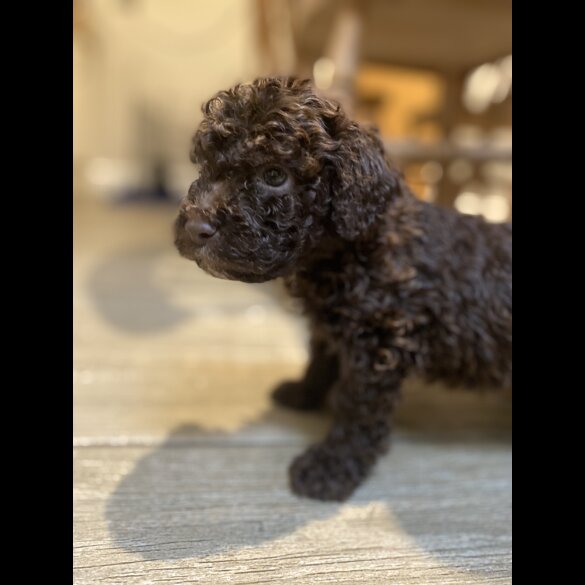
(362, 181)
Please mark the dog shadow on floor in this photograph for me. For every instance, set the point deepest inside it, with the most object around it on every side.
(200, 493)
(130, 295)
(126, 294)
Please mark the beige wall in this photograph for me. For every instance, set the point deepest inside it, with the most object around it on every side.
(168, 55)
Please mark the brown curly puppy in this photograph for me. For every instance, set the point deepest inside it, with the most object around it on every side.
(290, 187)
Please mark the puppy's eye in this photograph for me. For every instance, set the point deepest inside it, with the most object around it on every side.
(274, 176)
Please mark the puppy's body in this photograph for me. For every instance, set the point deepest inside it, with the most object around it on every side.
(391, 285)
(431, 287)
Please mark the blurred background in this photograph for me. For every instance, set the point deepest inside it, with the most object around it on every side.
(166, 356)
(434, 75)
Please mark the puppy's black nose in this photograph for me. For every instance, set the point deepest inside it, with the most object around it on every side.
(200, 230)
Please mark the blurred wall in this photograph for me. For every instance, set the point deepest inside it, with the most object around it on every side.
(153, 58)
(142, 68)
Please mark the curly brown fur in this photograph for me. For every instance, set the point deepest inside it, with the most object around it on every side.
(391, 285)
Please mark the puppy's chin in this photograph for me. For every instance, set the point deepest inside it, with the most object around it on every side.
(227, 271)
(218, 264)
(243, 276)
(230, 273)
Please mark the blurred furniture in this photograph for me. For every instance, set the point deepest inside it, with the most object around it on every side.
(329, 38)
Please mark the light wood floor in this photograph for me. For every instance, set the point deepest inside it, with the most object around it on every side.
(180, 459)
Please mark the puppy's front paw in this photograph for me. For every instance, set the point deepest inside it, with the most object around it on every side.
(295, 395)
(325, 472)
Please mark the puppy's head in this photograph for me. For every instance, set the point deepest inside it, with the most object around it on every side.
(279, 168)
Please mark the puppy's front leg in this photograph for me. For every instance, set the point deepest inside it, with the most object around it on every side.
(310, 392)
(362, 403)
